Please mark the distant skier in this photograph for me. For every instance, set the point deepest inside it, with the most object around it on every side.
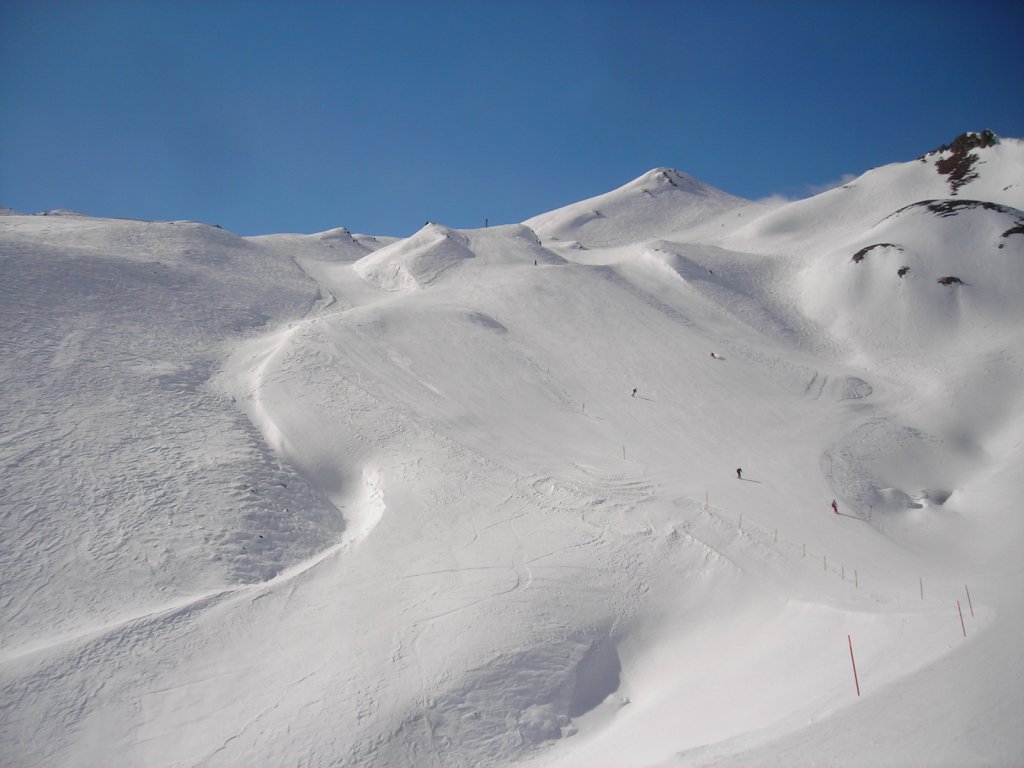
(634, 392)
(739, 473)
(713, 356)
(835, 507)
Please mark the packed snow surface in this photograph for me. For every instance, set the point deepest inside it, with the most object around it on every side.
(474, 497)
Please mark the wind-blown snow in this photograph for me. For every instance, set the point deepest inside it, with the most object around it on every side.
(337, 499)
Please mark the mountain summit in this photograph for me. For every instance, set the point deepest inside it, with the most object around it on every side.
(659, 203)
(957, 160)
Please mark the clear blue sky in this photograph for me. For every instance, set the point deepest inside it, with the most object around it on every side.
(301, 116)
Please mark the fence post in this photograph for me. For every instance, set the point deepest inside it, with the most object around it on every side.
(854, 663)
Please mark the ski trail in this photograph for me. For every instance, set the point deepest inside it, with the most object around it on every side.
(170, 610)
(425, 702)
(197, 603)
(524, 577)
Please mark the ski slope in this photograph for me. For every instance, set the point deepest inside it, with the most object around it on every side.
(338, 499)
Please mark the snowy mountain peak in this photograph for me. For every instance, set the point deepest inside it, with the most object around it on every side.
(984, 166)
(967, 141)
(666, 179)
(658, 204)
(958, 160)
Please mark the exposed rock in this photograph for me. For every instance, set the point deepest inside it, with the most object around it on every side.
(957, 160)
(858, 257)
(947, 207)
(1017, 230)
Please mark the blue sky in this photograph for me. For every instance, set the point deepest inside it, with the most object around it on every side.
(298, 117)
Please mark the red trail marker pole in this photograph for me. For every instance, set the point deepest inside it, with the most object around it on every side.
(854, 663)
(962, 627)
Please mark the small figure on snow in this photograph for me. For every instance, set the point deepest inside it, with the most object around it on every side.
(739, 473)
(835, 507)
(713, 356)
(634, 392)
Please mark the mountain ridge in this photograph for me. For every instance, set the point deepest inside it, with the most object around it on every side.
(553, 493)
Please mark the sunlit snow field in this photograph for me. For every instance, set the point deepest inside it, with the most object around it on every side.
(471, 498)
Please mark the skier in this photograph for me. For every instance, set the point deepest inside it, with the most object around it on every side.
(634, 392)
(835, 507)
(739, 473)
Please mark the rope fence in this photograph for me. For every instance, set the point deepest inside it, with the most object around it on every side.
(774, 542)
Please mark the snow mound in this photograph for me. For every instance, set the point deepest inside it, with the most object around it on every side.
(923, 280)
(417, 261)
(661, 202)
(146, 480)
(510, 244)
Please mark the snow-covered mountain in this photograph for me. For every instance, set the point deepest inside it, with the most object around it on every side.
(659, 203)
(472, 497)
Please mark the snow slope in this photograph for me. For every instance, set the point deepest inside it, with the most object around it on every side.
(335, 499)
(658, 203)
